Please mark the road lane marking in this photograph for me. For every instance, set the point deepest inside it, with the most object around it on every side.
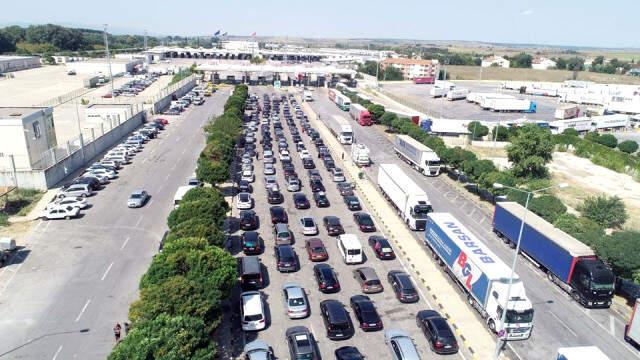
(563, 323)
(612, 323)
(106, 272)
(46, 226)
(167, 177)
(37, 226)
(124, 243)
(55, 356)
(178, 139)
(83, 309)
(145, 160)
(184, 151)
(139, 220)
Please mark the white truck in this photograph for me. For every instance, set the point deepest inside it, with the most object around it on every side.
(360, 155)
(632, 329)
(411, 202)
(416, 154)
(581, 353)
(345, 133)
(457, 94)
(510, 105)
(482, 275)
(438, 92)
(567, 112)
(307, 96)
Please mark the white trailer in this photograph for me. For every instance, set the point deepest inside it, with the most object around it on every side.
(581, 353)
(632, 329)
(581, 124)
(416, 154)
(182, 190)
(567, 112)
(510, 105)
(457, 94)
(411, 202)
(624, 107)
(610, 122)
(360, 155)
(484, 98)
(438, 91)
(345, 133)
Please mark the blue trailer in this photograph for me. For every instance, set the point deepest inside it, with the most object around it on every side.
(568, 262)
(480, 274)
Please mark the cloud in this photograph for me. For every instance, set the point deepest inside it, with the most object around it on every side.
(527, 12)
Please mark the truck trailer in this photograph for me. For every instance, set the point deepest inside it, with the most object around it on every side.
(510, 105)
(360, 155)
(343, 102)
(457, 94)
(632, 329)
(568, 262)
(567, 112)
(581, 353)
(360, 114)
(481, 275)
(409, 200)
(424, 80)
(416, 154)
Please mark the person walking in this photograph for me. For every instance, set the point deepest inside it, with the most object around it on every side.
(116, 332)
(342, 156)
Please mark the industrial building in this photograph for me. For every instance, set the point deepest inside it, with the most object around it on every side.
(26, 133)
(107, 115)
(101, 66)
(240, 46)
(413, 68)
(17, 63)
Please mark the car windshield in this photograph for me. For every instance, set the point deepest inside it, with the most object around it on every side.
(318, 249)
(296, 301)
(254, 317)
(309, 223)
(136, 196)
(244, 197)
(366, 220)
(353, 252)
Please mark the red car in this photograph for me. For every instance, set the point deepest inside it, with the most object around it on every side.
(381, 248)
(316, 250)
(161, 120)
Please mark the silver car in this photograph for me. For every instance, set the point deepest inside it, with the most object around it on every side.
(400, 345)
(293, 185)
(258, 350)
(137, 199)
(295, 301)
(269, 169)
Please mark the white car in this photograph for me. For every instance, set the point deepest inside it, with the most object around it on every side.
(110, 174)
(284, 155)
(247, 175)
(244, 201)
(338, 175)
(78, 202)
(252, 311)
(304, 153)
(130, 151)
(60, 212)
(102, 179)
(308, 226)
(270, 181)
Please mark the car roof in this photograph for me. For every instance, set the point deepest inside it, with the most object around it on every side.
(285, 250)
(368, 272)
(293, 290)
(251, 235)
(256, 345)
(315, 241)
(336, 310)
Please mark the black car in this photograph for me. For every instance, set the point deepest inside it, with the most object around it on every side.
(348, 353)
(274, 196)
(332, 225)
(366, 313)
(308, 163)
(244, 186)
(302, 345)
(286, 258)
(94, 184)
(364, 222)
(248, 220)
(251, 243)
(300, 201)
(316, 185)
(629, 290)
(326, 278)
(336, 320)
(278, 215)
(402, 286)
(437, 331)
(352, 203)
(381, 247)
(345, 188)
(321, 199)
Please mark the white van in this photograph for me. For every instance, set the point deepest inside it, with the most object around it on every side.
(180, 194)
(350, 249)
(252, 311)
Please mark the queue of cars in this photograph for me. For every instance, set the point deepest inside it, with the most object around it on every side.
(195, 97)
(72, 197)
(133, 87)
(270, 119)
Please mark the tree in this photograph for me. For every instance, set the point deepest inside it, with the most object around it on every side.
(456, 156)
(475, 169)
(376, 112)
(575, 64)
(501, 177)
(204, 193)
(580, 228)
(6, 43)
(608, 212)
(592, 136)
(212, 171)
(167, 338)
(628, 146)
(503, 133)
(608, 140)
(521, 60)
(570, 132)
(477, 130)
(547, 207)
(207, 209)
(620, 250)
(198, 227)
(598, 60)
(388, 118)
(391, 73)
(530, 150)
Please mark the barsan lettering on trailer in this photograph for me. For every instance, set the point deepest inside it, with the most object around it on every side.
(470, 243)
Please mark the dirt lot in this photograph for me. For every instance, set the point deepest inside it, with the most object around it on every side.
(492, 73)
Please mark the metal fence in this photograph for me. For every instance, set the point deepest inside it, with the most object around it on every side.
(64, 98)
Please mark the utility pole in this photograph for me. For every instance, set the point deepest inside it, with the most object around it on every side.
(13, 170)
(106, 46)
(80, 137)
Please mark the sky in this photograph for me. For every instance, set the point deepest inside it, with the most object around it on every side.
(554, 22)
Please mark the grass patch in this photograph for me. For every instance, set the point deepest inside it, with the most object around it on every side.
(18, 203)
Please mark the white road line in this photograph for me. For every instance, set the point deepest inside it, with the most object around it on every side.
(184, 151)
(124, 243)
(55, 356)
(563, 323)
(144, 160)
(167, 177)
(6, 285)
(83, 309)
(178, 139)
(106, 272)
(514, 350)
(139, 220)
(612, 323)
(46, 226)
(37, 226)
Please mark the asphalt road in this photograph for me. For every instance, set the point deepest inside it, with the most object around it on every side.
(393, 313)
(75, 279)
(558, 321)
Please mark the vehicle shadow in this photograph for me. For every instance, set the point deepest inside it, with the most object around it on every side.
(233, 244)
(17, 256)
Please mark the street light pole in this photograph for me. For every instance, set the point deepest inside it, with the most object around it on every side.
(106, 46)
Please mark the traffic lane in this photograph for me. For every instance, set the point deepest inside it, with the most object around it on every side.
(392, 312)
(553, 321)
(84, 261)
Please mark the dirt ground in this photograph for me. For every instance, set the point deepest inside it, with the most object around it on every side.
(493, 73)
(17, 231)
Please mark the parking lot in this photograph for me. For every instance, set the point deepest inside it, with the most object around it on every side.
(393, 313)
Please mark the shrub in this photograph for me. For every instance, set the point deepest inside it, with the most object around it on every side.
(502, 177)
(477, 130)
(547, 207)
(608, 212)
(608, 140)
(201, 209)
(455, 156)
(620, 250)
(376, 112)
(592, 136)
(580, 228)
(475, 169)
(502, 133)
(198, 227)
(388, 118)
(570, 132)
(202, 193)
(628, 146)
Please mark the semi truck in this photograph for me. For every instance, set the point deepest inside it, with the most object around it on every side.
(510, 105)
(581, 353)
(360, 155)
(457, 94)
(360, 114)
(343, 102)
(345, 133)
(416, 154)
(482, 276)
(438, 92)
(569, 263)
(567, 112)
(632, 329)
(409, 200)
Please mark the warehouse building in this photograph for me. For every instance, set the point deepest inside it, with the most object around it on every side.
(26, 133)
(107, 115)
(413, 68)
(17, 63)
(101, 66)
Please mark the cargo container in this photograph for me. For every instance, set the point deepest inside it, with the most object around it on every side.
(610, 122)
(424, 80)
(481, 275)
(569, 263)
(581, 125)
(457, 94)
(632, 329)
(438, 92)
(510, 105)
(624, 107)
(409, 200)
(91, 81)
(418, 155)
(581, 353)
(360, 114)
(567, 112)
(481, 98)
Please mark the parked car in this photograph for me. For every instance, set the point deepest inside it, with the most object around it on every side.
(345, 189)
(274, 196)
(381, 247)
(332, 225)
(316, 186)
(321, 199)
(308, 163)
(326, 278)
(365, 312)
(247, 175)
(295, 301)
(336, 320)
(352, 202)
(302, 344)
(437, 331)
(300, 201)
(137, 199)
(293, 184)
(244, 186)
(75, 190)
(286, 258)
(251, 243)
(258, 350)
(92, 182)
(364, 222)
(337, 175)
(402, 286)
(244, 201)
(248, 220)
(252, 311)
(316, 250)
(400, 345)
(78, 202)
(60, 212)
(308, 226)
(368, 280)
(314, 175)
(278, 215)
(348, 353)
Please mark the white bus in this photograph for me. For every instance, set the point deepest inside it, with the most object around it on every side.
(350, 248)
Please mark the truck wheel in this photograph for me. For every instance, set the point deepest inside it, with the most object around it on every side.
(575, 296)
(67, 217)
(512, 244)
(492, 326)
(551, 277)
